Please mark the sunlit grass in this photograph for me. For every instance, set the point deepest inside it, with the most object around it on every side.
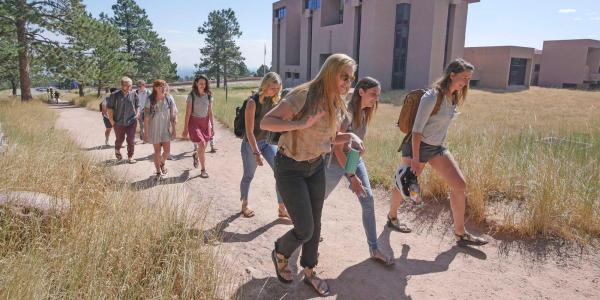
(112, 242)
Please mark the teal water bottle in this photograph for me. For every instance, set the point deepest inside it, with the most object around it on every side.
(352, 161)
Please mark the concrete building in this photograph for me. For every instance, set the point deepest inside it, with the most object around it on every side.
(501, 67)
(537, 63)
(405, 44)
(570, 64)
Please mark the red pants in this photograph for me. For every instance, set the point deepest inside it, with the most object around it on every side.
(121, 132)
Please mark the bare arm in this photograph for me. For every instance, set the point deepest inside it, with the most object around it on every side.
(249, 124)
(111, 112)
(279, 119)
(188, 113)
(210, 117)
(416, 145)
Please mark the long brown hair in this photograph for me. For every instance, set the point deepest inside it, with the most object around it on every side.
(442, 85)
(355, 102)
(206, 88)
(322, 91)
(155, 85)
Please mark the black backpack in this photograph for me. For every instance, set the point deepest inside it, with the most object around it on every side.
(239, 123)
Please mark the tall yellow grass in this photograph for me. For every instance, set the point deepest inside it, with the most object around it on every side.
(517, 182)
(111, 244)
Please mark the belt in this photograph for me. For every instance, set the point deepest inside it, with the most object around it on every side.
(310, 161)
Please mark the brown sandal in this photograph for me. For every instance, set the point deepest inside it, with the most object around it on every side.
(319, 285)
(247, 212)
(284, 269)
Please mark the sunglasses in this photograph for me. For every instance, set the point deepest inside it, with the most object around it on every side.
(346, 77)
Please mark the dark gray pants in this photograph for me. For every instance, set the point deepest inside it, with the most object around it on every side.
(302, 187)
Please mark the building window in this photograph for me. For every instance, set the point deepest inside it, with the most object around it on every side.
(518, 68)
(288, 75)
(312, 4)
(400, 52)
(536, 68)
(296, 75)
(279, 13)
(323, 58)
(332, 12)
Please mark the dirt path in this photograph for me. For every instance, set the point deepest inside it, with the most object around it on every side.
(428, 264)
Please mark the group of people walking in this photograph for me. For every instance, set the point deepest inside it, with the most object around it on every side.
(305, 135)
(156, 112)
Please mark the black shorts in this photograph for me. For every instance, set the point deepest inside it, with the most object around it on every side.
(106, 122)
(426, 151)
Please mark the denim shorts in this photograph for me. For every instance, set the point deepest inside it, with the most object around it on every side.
(426, 152)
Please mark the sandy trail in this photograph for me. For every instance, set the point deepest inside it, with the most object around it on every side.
(428, 264)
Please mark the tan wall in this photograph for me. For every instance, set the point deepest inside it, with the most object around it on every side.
(426, 45)
(492, 64)
(565, 61)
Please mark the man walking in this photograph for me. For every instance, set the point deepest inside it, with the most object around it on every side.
(142, 95)
(122, 111)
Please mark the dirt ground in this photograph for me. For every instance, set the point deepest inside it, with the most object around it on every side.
(428, 264)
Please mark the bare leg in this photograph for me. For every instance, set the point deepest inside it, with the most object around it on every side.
(156, 157)
(396, 195)
(448, 169)
(201, 155)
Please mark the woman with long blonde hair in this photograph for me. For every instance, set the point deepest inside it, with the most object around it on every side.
(255, 148)
(426, 146)
(309, 116)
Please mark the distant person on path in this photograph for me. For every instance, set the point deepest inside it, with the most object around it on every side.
(199, 120)
(361, 109)
(122, 110)
(56, 96)
(104, 110)
(142, 95)
(309, 116)
(425, 145)
(159, 123)
(175, 110)
(255, 148)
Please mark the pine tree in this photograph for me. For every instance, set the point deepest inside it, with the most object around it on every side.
(149, 54)
(30, 20)
(221, 54)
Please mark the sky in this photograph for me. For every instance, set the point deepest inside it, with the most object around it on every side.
(490, 23)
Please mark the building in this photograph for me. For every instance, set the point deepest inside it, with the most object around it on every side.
(570, 64)
(501, 67)
(405, 44)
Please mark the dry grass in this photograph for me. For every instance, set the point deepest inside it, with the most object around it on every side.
(516, 182)
(111, 244)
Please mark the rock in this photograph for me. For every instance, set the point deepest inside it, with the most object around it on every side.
(46, 204)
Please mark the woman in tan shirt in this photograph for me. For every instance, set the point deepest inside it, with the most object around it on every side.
(309, 118)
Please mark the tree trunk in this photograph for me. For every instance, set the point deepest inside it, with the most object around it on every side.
(225, 80)
(13, 85)
(23, 44)
(218, 80)
(81, 93)
(99, 88)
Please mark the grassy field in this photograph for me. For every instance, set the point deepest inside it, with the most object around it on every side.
(111, 243)
(531, 158)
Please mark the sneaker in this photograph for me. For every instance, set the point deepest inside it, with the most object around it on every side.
(118, 155)
(131, 160)
(106, 142)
